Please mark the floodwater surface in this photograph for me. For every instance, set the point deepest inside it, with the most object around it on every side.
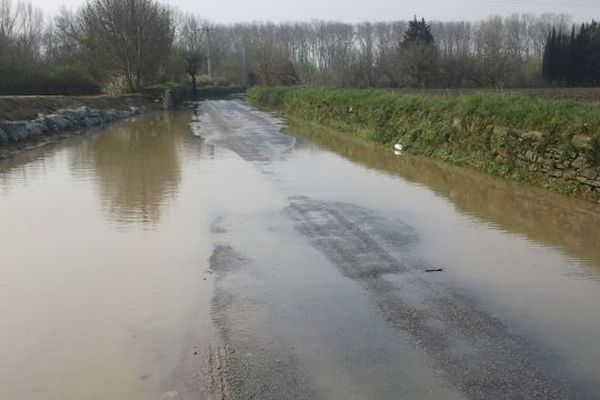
(218, 254)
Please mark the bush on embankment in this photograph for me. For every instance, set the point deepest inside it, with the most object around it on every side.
(214, 91)
(554, 143)
(182, 92)
(28, 80)
(179, 92)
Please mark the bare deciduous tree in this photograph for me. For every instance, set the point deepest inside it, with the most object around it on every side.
(135, 36)
(191, 41)
(136, 42)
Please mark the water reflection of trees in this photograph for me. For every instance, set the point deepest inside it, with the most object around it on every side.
(22, 168)
(570, 224)
(136, 165)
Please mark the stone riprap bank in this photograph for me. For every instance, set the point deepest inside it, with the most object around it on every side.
(62, 121)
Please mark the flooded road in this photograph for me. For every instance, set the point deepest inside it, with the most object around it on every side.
(226, 259)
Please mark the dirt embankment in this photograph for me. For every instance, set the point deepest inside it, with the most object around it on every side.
(18, 108)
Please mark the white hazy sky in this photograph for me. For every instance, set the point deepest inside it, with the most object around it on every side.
(363, 10)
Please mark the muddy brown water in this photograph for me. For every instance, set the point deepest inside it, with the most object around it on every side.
(159, 260)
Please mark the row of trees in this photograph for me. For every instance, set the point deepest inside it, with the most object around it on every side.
(128, 44)
(492, 53)
(121, 44)
(25, 65)
(573, 59)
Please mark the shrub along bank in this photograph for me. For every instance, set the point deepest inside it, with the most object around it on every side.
(31, 80)
(554, 143)
(182, 92)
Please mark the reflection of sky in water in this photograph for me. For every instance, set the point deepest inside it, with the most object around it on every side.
(537, 214)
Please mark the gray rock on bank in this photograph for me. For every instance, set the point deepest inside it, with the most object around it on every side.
(3, 136)
(16, 130)
(56, 122)
(62, 120)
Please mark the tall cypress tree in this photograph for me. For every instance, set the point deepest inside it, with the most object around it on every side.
(582, 48)
(574, 58)
(552, 57)
(593, 53)
(572, 68)
(561, 61)
(547, 61)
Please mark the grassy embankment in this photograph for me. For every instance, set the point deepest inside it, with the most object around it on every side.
(545, 142)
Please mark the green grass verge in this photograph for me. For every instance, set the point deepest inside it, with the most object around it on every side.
(487, 131)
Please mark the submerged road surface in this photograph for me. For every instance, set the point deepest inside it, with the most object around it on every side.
(227, 259)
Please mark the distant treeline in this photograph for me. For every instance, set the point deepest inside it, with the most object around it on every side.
(496, 52)
(573, 59)
(128, 45)
(27, 64)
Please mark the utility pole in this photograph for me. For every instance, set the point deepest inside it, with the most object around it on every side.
(244, 70)
(208, 57)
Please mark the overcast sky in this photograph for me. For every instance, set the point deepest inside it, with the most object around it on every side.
(364, 10)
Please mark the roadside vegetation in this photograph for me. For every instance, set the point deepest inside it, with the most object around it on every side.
(504, 134)
(573, 59)
(119, 46)
(109, 46)
(381, 114)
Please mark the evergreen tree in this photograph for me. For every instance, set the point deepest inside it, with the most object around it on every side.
(592, 60)
(549, 54)
(418, 64)
(573, 59)
(562, 67)
(419, 32)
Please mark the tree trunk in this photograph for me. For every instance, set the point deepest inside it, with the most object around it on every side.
(130, 83)
(194, 87)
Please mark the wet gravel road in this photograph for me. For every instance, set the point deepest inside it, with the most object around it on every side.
(319, 297)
